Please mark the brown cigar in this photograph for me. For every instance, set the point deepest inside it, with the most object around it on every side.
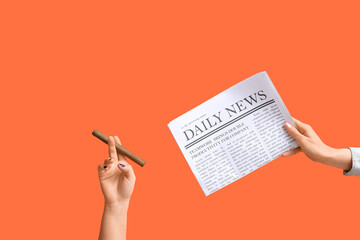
(119, 148)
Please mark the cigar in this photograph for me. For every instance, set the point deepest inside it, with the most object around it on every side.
(119, 148)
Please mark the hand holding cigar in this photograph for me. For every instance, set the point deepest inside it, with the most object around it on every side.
(117, 182)
(120, 148)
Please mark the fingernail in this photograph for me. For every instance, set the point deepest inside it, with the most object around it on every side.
(122, 165)
(105, 166)
(287, 125)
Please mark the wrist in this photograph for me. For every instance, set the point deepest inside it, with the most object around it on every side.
(340, 158)
(118, 206)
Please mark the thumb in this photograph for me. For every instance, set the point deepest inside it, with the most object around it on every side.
(294, 132)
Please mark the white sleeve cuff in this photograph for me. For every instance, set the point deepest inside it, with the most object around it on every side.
(355, 155)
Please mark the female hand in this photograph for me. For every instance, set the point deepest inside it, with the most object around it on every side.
(117, 178)
(312, 146)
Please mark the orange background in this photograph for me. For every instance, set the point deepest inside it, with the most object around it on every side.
(127, 68)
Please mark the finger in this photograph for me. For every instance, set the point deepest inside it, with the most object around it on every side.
(306, 129)
(302, 127)
(127, 170)
(299, 123)
(102, 168)
(291, 152)
(117, 139)
(294, 132)
(120, 155)
(112, 149)
(108, 161)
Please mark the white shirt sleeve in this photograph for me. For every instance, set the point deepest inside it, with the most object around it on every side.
(355, 155)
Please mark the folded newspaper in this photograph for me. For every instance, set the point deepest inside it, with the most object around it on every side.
(234, 133)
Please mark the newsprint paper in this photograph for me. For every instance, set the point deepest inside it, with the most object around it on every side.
(234, 133)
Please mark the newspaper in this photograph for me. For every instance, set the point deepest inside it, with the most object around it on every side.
(234, 133)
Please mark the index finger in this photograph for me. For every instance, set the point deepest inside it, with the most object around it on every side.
(298, 123)
(305, 129)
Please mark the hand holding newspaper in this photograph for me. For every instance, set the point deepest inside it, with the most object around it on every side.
(234, 133)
